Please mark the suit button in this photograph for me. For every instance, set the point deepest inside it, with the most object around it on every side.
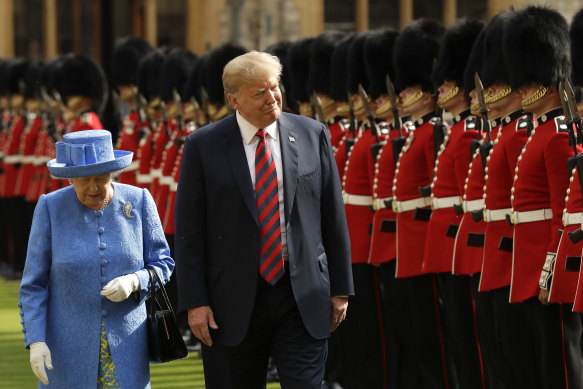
(102, 245)
(104, 261)
(99, 213)
(101, 230)
(104, 313)
(103, 279)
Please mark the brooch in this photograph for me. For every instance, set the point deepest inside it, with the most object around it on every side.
(127, 210)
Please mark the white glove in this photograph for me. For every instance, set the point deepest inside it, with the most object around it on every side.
(40, 355)
(121, 287)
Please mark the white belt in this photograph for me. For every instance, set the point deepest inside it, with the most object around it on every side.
(445, 202)
(173, 186)
(133, 166)
(409, 205)
(28, 158)
(473, 205)
(495, 215)
(143, 179)
(572, 218)
(379, 204)
(12, 158)
(356, 199)
(517, 217)
(166, 180)
(38, 161)
(156, 173)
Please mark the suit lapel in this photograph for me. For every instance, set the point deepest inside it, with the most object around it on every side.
(238, 161)
(289, 155)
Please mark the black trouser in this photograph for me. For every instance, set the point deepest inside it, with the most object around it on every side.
(401, 365)
(425, 334)
(362, 341)
(276, 329)
(460, 330)
(17, 226)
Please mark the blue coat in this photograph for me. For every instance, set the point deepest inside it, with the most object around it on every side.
(73, 252)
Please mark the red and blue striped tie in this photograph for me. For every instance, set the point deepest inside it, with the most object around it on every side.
(271, 259)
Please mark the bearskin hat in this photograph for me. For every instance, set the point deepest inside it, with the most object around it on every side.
(378, 60)
(49, 75)
(32, 80)
(299, 68)
(82, 76)
(149, 73)
(474, 64)
(175, 72)
(416, 49)
(455, 50)
(319, 79)
(494, 68)
(126, 57)
(194, 83)
(217, 59)
(536, 47)
(339, 69)
(355, 63)
(16, 72)
(576, 33)
(4, 63)
(280, 50)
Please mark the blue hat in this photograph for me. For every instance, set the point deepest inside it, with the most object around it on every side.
(87, 153)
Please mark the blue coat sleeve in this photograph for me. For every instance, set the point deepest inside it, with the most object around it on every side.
(34, 287)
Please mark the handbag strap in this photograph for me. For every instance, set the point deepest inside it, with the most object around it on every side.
(153, 278)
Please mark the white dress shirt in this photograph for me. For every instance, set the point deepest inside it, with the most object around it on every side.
(250, 141)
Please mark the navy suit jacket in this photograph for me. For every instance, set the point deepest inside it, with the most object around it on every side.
(218, 234)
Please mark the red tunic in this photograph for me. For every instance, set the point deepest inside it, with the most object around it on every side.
(450, 175)
(12, 158)
(166, 168)
(467, 257)
(161, 138)
(356, 182)
(28, 143)
(497, 259)
(414, 170)
(337, 130)
(540, 182)
(129, 140)
(564, 282)
(383, 246)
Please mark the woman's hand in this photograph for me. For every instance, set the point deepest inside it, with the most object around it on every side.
(121, 287)
(40, 355)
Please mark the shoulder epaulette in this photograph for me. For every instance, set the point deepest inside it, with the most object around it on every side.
(561, 124)
(471, 123)
(409, 126)
(522, 123)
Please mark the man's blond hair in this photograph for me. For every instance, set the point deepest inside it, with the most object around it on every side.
(248, 68)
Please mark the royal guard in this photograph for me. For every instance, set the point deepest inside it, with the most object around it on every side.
(536, 49)
(173, 77)
(508, 354)
(84, 92)
(213, 81)
(149, 93)
(449, 177)
(339, 93)
(13, 201)
(319, 82)
(576, 33)
(416, 49)
(400, 361)
(127, 54)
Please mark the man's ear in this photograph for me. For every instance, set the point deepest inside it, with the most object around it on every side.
(233, 101)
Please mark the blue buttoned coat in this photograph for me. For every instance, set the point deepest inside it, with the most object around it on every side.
(73, 252)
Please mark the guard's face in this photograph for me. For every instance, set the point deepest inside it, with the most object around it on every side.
(92, 190)
(259, 102)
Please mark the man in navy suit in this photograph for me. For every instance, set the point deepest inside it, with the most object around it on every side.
(254, 294)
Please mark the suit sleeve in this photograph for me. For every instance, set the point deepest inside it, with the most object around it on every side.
(190, 240)
(557, 151)
(334, 227)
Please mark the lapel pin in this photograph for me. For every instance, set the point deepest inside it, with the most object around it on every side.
(292, 139)
(127, 210)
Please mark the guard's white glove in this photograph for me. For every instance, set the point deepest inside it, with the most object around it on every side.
(40, 355)
(121, 287)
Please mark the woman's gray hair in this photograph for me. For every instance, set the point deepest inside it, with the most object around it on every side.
(248, 68)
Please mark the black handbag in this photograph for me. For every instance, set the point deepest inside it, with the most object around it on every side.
(165, 342)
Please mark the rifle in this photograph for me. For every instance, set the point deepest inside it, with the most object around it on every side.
(572, 118)
(376, 147)
(196, 108)
(143, 114)
(317, 108)
(205, 104)
(487, 145)
(178, 104)
(399, 142)
(353, 125)
(164, 112)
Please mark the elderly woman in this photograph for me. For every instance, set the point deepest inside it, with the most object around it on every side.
(84, 283)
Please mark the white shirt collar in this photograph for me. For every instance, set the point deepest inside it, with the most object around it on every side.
(248, 130)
